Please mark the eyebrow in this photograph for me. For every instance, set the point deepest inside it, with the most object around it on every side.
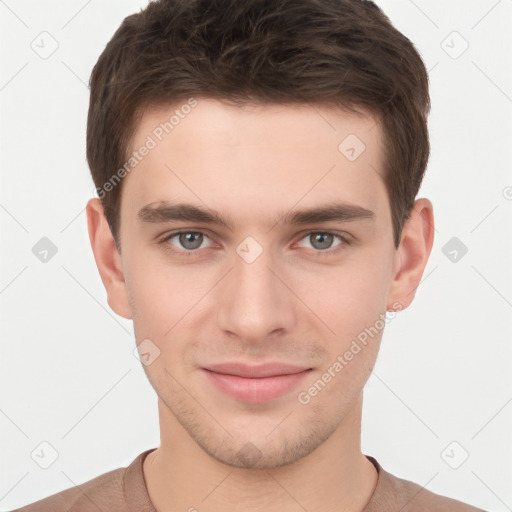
(165, 211)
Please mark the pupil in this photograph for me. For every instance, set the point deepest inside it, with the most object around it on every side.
(322, 237)
(191, 238)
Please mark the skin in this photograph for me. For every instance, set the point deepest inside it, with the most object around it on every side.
(292, 304)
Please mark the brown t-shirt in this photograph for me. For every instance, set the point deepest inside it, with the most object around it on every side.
(124, 490)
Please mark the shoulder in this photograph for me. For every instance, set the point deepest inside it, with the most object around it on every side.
(393, 493)
(105, 492)
(84, 497)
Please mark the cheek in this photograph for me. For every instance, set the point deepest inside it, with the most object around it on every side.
(352, 305)
(347, 298)
(156, 297)
(167, 300)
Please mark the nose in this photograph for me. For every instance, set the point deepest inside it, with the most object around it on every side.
(253, 302)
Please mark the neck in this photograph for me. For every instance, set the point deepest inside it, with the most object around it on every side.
(336, 476)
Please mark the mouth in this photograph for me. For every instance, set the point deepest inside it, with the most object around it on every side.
(255, 384)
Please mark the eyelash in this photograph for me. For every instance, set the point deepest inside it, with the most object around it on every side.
(191, 253)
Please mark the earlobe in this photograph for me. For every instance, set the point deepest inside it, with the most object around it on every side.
(412, 254)
(107, 259)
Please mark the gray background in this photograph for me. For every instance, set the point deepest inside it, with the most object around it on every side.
(441, 390)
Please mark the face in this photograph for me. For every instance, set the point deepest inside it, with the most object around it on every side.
(272, 283)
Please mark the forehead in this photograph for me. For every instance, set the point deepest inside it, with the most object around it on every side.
(265, 157)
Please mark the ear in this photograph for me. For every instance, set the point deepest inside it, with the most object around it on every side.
(412, 254)
(108, 259)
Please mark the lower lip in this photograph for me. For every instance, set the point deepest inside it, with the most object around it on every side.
(257, 390)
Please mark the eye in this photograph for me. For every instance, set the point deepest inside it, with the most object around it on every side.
(187, 241)
(322, 241)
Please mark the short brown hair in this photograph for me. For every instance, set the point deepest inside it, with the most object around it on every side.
(343, 53)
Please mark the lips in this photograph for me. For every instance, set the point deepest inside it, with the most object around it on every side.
(255, 384)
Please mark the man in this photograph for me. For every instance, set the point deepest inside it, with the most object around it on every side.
(257, 164)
